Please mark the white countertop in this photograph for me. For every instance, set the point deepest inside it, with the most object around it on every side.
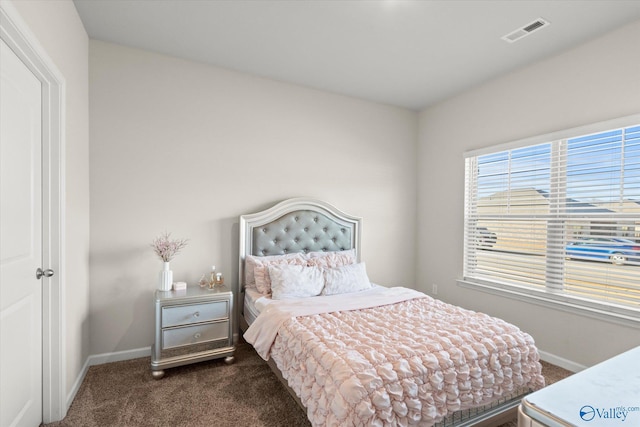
(607, 394)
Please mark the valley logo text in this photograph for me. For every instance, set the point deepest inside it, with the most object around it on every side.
(618, 413)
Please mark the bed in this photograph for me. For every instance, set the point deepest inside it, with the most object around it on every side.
(354, 353)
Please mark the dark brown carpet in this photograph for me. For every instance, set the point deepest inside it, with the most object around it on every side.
(245, 393)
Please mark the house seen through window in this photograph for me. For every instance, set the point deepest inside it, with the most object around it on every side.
(559, 219)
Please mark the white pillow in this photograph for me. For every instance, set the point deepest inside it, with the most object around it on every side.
(345, 279)
(295, 281)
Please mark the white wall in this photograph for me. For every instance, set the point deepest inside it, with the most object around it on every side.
(597, 81)
(187, 148)
(59, 30)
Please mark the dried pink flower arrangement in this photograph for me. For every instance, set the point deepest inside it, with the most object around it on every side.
(165, 248)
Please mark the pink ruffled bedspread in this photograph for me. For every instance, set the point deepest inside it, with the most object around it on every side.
(410, 363)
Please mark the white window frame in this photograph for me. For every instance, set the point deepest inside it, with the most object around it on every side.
(620, 314)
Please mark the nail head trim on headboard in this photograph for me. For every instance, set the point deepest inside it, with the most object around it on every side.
(297, 225)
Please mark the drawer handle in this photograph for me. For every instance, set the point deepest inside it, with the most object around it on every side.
(197, 335)
(196, 314)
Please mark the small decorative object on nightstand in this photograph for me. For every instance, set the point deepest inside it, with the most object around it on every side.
(167, 248)
(215, 279)
(192, 325)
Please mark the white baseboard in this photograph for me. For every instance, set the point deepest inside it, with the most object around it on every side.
(561, 362)
(76, 385)
(100, 359)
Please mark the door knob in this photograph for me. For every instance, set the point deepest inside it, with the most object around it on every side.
(46, 273)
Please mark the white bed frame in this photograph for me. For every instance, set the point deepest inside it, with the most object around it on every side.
(273, 232)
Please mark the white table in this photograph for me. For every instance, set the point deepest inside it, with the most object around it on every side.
(607, 394)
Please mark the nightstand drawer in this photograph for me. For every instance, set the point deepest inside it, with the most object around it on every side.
(190, 335)
(194, 313)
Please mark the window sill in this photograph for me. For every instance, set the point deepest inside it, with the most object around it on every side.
(614, 314)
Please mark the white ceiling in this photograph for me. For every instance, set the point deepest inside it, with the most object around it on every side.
(406, 53)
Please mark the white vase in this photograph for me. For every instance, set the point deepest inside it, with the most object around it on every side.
(166, 278)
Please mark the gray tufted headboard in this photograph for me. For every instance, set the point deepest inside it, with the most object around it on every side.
(297, 225)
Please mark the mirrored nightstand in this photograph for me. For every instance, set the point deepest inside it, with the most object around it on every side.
(191, 326)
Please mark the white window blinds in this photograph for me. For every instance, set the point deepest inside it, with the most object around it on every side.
(560, 218)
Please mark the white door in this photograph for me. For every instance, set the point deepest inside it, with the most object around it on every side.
(20, 243)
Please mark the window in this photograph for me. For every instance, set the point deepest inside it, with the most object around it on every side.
(557, 218)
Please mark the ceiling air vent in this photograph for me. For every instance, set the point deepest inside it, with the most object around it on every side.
(526, 30)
